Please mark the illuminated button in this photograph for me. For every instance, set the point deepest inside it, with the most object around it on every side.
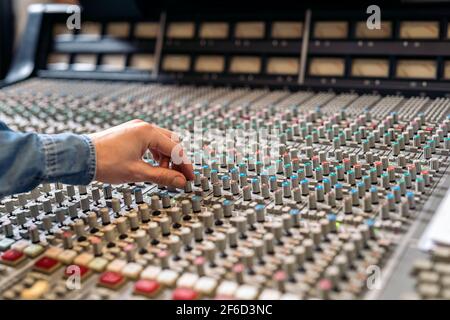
(78, 270)
(151, 272)
(5, 244)
(83, 259)
(98, 264)
(12, 257)
(184, 294)
(269, 294)
(20, 245)
(206, 286)
(38, 289)
(116, 265)
(53, 252)
(227, 288)
(167, 277)
(132, 270)
(148, 288)
(289, 296)
(221, 297)
(187, 280)
(112, 280)
(46, 265)
(33, 250)
(246, 292)
(67, 256)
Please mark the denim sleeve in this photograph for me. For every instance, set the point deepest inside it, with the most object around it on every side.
(28, 159)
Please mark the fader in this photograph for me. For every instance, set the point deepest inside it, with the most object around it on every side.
(307, 222)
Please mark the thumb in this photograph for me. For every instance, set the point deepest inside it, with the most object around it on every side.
(159, 175)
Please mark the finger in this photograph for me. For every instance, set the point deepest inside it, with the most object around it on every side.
(161, 176)
(187, 170)
(164, 162)
(156, 155)
(156, 140)
(160, 142)
(170, 134)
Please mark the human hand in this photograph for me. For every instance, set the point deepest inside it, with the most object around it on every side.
(119, 152)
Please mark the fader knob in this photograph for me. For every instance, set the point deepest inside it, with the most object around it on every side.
(33, 233)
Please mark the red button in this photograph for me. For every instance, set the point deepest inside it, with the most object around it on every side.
(46, 263)
(146, 287)
(12, 255)
(111, 278)
(184, 294)
(73, 269)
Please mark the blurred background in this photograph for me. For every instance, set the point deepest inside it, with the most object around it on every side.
(13, 17)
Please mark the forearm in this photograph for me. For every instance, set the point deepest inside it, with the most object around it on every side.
(27, 160)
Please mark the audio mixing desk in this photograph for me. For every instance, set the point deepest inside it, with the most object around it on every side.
(323, 190)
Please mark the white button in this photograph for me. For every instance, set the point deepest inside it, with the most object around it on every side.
(167, 277)
(116, 265)
(150, 273)
(132, 270)
(289, 296)
(270, 294)
(227, 288)
(246, 292)
(187, 280)
(206, 285)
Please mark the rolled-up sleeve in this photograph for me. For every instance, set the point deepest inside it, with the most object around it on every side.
(28, 159)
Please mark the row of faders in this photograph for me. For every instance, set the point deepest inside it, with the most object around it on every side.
(342, 191)
(432, 275)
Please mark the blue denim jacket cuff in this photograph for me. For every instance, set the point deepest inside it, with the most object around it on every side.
(69, 158)
(92, 161)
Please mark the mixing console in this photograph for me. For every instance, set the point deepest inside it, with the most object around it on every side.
(315, 213)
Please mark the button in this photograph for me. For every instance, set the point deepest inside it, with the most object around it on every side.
(67, 256)
(83, 259)
(5, 244)
(269, 294)
(246, 292)
(116, 265)
(33, 250)
(38, 289)
(206, 286)
(46, 265)
(151, 272)
(12, 257)
(98, 264)
(167, 277)
(187, 280)
(184, 294)
(132, 270)
(53, 252)
(227, 288)
(112, 280)
(148, 288)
